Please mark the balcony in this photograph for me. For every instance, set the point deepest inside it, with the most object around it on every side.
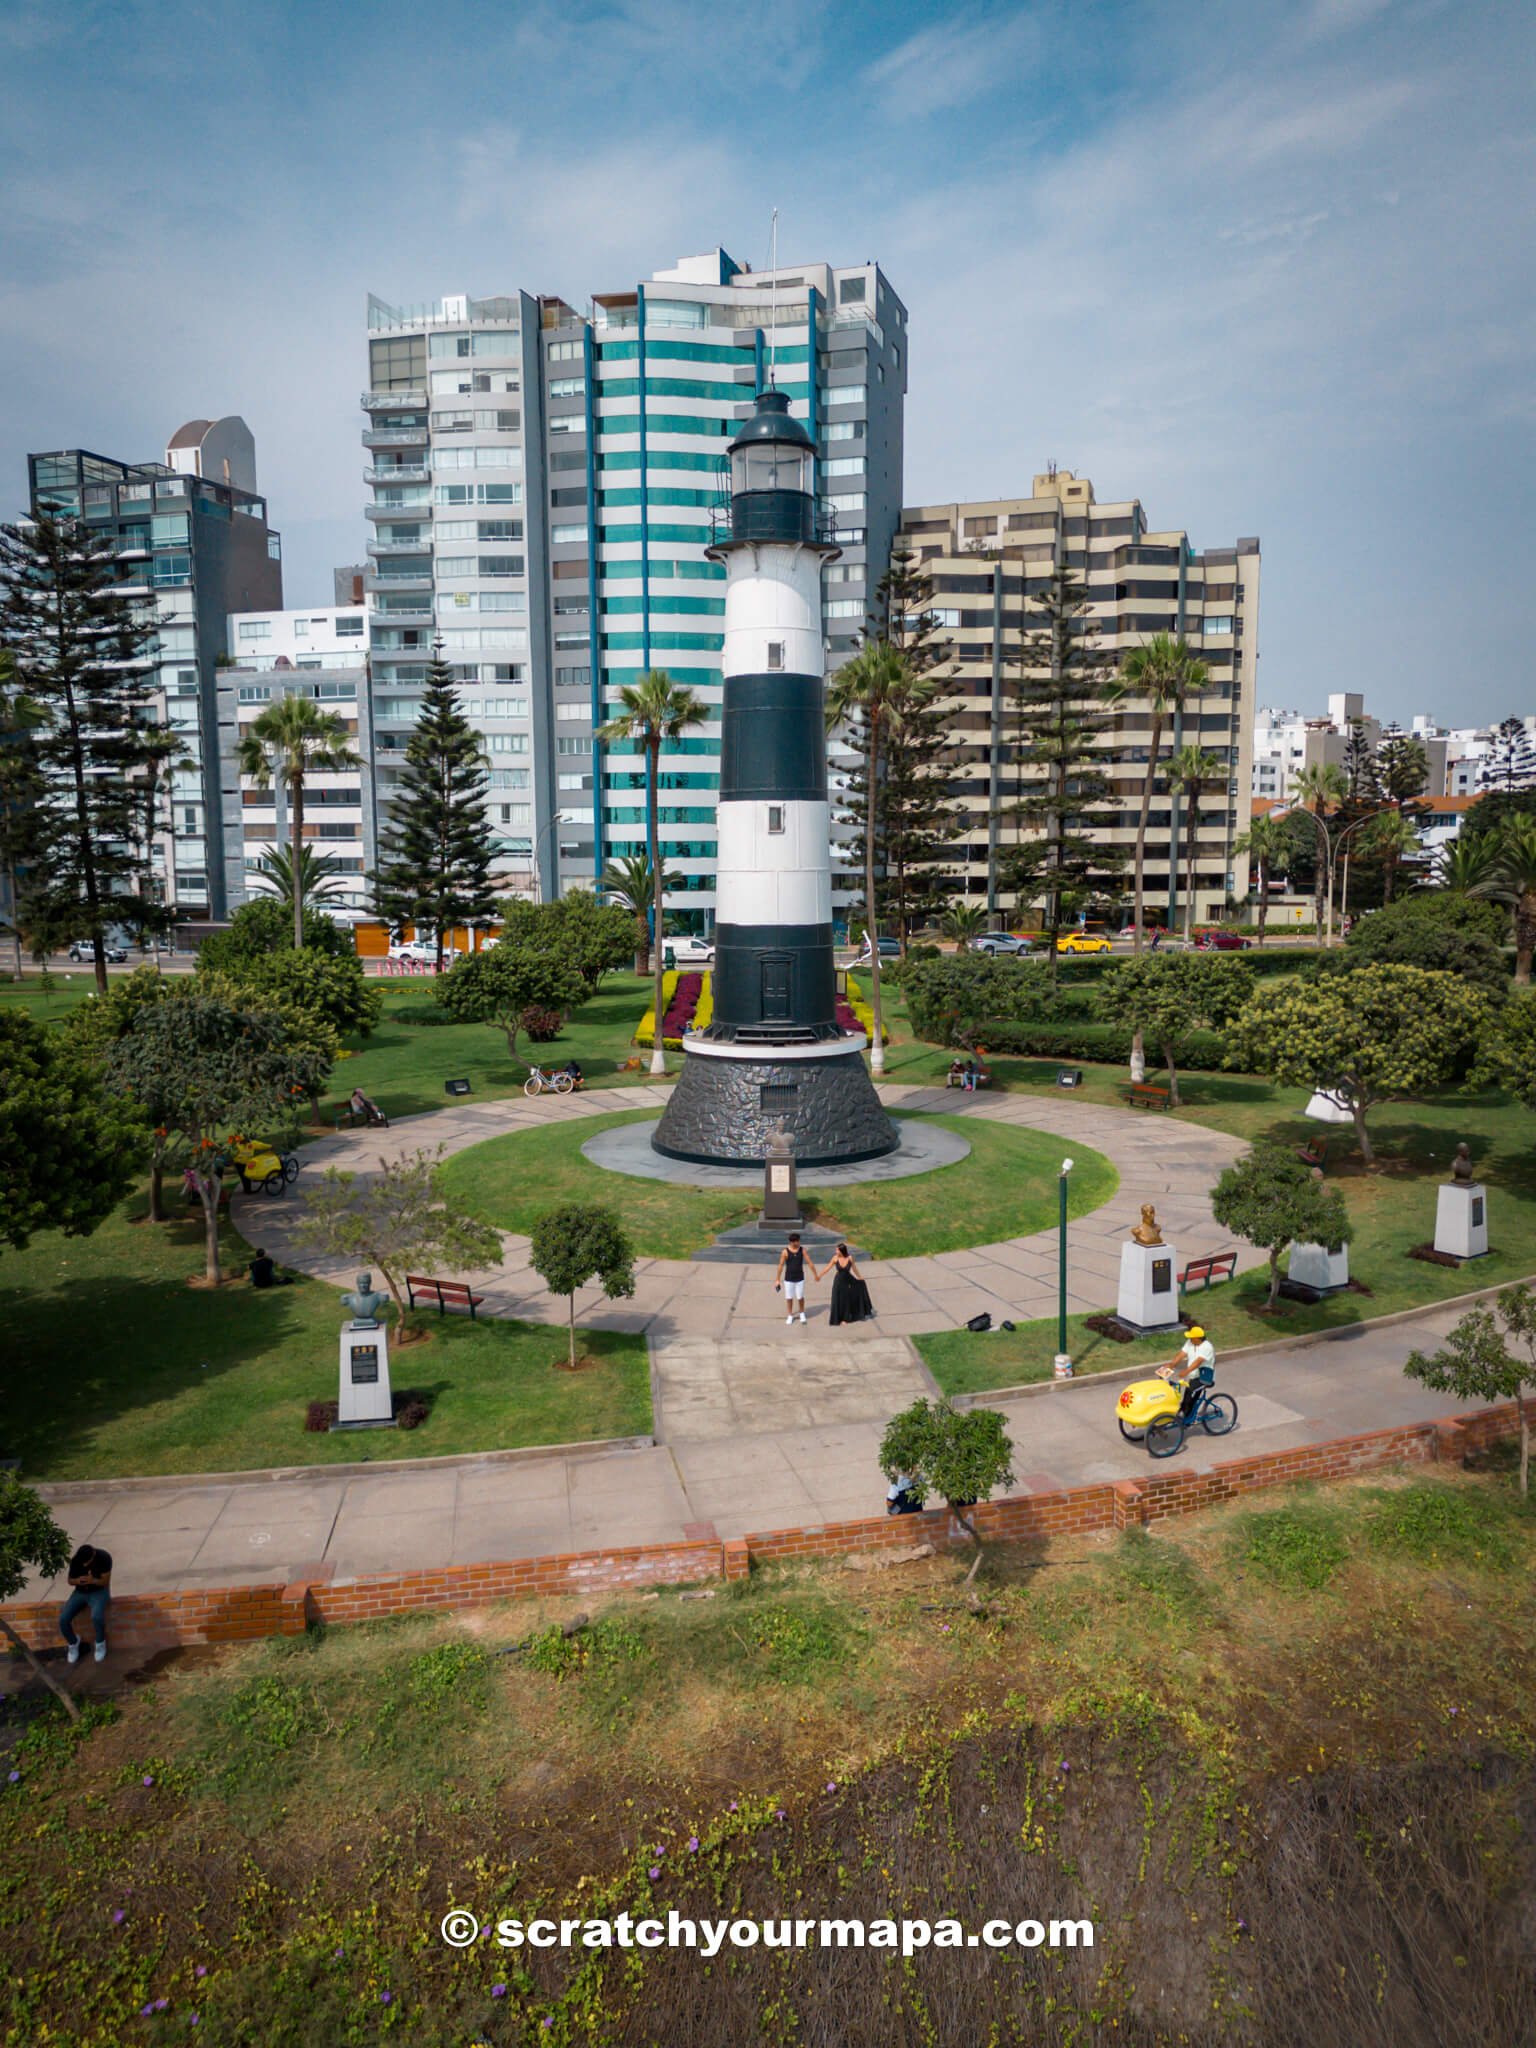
(399, 547)
(416, 579)
(417, 616)
(394, 401)
(421, 511)
(399, 473)
(396, 437)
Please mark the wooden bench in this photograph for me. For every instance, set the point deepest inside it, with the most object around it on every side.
(1313, 1153)
(1219, 1266)
(1148, 1095)
(982, 1078)
(449, 1293)
(350, 1116)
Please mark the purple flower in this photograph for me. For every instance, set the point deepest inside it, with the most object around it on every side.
(145, 2011)
(161, 2004)
(498, 1991)
(693, 1842)
(733, 1806)
(386, 1998)
(119, 1917)
(340, 1952)
(1065, 1765)
(148, 1780)
(780, 1814)
(15, 1778)
(196, 2020)
(202, 1968)
(655, 1870)
(831, 1784)
(546, 2022)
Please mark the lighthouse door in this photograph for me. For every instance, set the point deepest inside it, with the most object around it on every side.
(776, 971)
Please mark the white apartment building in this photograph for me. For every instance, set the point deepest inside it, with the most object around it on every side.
(317, 651)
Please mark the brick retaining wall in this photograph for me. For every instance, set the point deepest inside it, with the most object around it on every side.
(241, 1613)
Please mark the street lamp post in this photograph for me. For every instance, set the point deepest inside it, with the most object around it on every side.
(1062, 1364)
(547, 827)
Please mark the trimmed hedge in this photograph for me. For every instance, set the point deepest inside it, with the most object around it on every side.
(1202, 1052)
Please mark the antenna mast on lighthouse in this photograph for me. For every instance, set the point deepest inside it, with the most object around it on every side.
(773, 299)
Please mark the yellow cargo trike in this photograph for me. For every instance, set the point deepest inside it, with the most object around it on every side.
(1155, 1410)
(259, 1166)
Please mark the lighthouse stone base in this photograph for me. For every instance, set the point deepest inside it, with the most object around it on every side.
(725, 1109)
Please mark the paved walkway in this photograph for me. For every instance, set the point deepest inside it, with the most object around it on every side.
(1159, 1160)
(802, 1451)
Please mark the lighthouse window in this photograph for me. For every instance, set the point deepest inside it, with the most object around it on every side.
(775, 817)
(775, 653)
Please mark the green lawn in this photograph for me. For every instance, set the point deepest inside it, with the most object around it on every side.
(119, 1368)
(1006, 1188)
(1393, 1209)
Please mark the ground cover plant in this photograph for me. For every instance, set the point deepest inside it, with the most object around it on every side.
(1278, 1756)
(1005, 1188)
(118, 1368)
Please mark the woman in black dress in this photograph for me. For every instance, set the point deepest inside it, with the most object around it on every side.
(850, 1294)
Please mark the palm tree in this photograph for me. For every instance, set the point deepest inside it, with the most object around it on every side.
(655, 709)
(628, 881)
(1465, 863)
(320, 876)
(1266, 845)
(290, 740)
(963, 922)
(1163, 671)
(1317, 789)
(878, 689)
(1194, 770)
(1394, 836)
(1513, 881)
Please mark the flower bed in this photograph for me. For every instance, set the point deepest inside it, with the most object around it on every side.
(687, 1005)
(854, 1014)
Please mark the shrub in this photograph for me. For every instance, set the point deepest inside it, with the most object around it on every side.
(948, 997)
(450, 1672)
(1295, 1547)
(540, 1024)
(1202, 1052)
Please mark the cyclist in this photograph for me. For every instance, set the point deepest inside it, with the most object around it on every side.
(1194, 1369)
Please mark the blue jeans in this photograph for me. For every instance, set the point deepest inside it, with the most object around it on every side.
(97, 1599)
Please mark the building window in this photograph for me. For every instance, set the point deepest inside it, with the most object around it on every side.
(567, 536)
(569, 711)
(851, 291)
(775, 653)
(847, 394)
(255, 629)
(775, 817)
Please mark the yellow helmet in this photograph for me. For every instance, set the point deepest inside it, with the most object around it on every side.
(1195, 1334)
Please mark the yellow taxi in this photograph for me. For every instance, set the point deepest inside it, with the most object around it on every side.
(1082, 942)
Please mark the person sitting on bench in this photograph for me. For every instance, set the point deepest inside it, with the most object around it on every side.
(361, 1106)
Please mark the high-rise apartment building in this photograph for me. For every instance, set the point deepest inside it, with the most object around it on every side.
(319, 653)
(545, 486)
(986, 560)
(194, 548)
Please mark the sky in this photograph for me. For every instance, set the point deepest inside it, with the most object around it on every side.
(1267, 267)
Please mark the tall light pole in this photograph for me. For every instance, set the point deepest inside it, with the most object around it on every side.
(547, 827)
(1062, 1364)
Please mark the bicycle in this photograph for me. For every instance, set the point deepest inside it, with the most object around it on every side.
(1216, 1414)
(540, 1083)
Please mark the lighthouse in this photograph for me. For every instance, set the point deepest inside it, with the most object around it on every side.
(773, 1053)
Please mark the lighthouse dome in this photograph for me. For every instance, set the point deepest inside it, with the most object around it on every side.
(773, 476)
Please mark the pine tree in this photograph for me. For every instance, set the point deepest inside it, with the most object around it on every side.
(914, 825)
(1059, 716)
(435, 858)
(80, 655)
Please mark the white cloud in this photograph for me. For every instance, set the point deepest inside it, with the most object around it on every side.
(955, 61)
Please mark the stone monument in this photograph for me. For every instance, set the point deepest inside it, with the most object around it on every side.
(364, 1400)
(1148, 1300)
(1461, 1211)
(781, 1197)
(1316, 1267)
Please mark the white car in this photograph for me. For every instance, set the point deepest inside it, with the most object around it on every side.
(687, 951)
(422, 953)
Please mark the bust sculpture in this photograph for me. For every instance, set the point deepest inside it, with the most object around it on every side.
(1461, 1165)
(1146, 1231)
(363, 1303)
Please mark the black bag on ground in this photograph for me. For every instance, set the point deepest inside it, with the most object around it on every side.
(981, 1322)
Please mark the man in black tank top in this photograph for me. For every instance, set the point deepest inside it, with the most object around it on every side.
(790, 1275)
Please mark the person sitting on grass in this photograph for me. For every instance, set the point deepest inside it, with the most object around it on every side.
(264, 1273)
(578, 1078)
(90, 1581)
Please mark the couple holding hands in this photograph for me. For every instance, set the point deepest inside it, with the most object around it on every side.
(850, 1294)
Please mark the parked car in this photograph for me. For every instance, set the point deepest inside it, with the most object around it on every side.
(1217, 939)
(890, 949)
(687, 950)
(1000, 942)
(1082, 942)
(423, 953)
(82, 949)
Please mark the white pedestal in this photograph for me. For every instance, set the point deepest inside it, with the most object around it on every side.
(1149, 1293)
(365, 1401)
(1461, 1219)
(1313, 1265)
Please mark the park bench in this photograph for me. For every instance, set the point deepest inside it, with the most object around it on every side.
(1148, 1095)
(1313, 1153)
(449, 1293)
(1219, 1266)
(350, 1117)
(982, 1078)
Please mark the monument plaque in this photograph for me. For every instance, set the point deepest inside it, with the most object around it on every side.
(364, 1400)
(1148, 1300)
(781, 1197)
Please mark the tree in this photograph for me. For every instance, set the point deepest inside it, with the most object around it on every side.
(23, 793)
(1059, 719)
(914, 823)
(1511, 761)
(1478, 1363)
(1403, 935)
(261, 927)
(95, 1026)
(31, 1543)
(320, 879)
(1166, 996)
(333, 990)
(655, 710)
(1363, 785)
(963, 922)
(396, 1221)
(79, 650)
(496, 987)
(1265, 844)
(1402, 768)
(207, 1063)
(1167, 675)
(1271, 1200)
(1381, 1034)
(1466, 862)
(957, 998)
(1494, 807)
(1513, 881)
(593, 937)
(1394, 839)
(1194, 770)
(630, 882)
(577, 1243)
(963, 1457)
(68, 1145)
(871, 694)
(1320, 789)
(288, 742)
(1508, 1055)
(435, 860)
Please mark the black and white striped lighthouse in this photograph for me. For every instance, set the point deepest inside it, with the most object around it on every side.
(773, 1052)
